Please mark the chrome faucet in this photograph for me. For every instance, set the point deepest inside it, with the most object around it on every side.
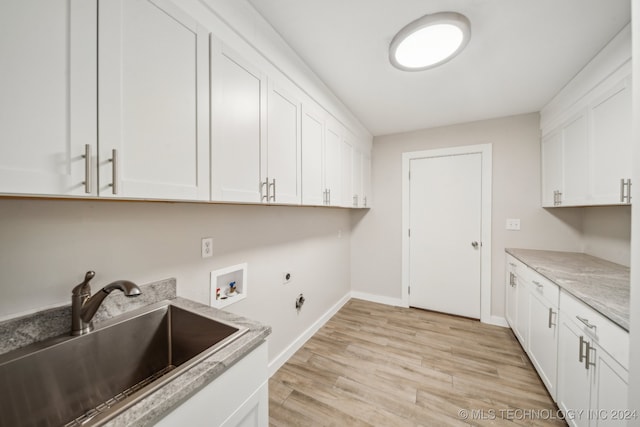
(84, 306)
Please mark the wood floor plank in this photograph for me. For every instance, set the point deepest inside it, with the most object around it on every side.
(377, 365)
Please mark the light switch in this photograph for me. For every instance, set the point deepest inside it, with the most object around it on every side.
(513, 224)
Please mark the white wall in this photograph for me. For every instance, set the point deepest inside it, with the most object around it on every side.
(47, 245)
(376, 236)
(606, 232)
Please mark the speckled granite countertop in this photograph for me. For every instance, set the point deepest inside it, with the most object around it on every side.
(19, 332)
(602, 285)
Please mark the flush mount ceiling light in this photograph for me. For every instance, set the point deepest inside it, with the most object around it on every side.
(429, 41)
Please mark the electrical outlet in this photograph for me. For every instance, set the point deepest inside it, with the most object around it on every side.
(513, 224)
(207, 247)
(286, 277)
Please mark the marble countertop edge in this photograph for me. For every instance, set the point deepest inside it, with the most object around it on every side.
(602, 285)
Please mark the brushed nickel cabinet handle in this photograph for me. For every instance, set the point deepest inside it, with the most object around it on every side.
(272, 197)
(587, 356)
(264, 195)
(581, 353)
(364, 201)
(551, 313)
(114, 171)
(622, 185)
(87, 168)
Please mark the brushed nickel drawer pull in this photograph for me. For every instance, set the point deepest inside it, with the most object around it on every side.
(586, 322)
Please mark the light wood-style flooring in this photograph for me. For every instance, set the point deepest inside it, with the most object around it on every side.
(376, 365)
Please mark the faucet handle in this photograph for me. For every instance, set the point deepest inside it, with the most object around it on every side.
(83, 288)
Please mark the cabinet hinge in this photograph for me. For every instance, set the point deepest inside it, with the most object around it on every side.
(409, 289)
(409, 232)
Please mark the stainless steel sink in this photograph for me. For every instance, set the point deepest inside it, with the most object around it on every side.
(89, 379)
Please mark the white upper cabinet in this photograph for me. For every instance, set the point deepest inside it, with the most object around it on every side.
(283, 173)
(47, 97)
(238, 100)
(575, 161)
(138, 99)
(153, 109)
(610, 116)
(552, 185)
(367, 193)
(346, 176)
(333, 163)
(586, 133)
(356, 177)
(313, 129)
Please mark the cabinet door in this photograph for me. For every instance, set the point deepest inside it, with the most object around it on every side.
(153, 84)
(313, 189)
(551, 168)
(543, 341)
(522, 319)
(346, 184)
(575, 161)
(238, 102)
(333, 166)
(47, 96)
(574, 380)
(238, 397)
(367, 194)
(254, 412)
(283, 147)
(611, 143)
(356, 177)
(610, 390)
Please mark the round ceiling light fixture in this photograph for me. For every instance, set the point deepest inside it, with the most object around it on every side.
(429, 41)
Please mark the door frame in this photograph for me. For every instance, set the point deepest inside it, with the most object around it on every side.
(485, 150)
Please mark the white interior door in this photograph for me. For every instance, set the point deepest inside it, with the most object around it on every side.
(445, 233)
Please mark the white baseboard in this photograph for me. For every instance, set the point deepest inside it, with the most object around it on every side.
(397, 302)
(498, 321)
(282, 358)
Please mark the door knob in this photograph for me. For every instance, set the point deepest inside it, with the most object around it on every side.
(475, 245)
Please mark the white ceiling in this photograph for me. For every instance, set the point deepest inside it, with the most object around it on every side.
(521, 53)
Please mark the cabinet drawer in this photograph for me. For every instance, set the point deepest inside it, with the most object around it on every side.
(612, 338)
(515, 266)
(544, 288)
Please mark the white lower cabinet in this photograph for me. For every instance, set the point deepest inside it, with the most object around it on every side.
(581, 356)
(522, 308)
(592, 373)
(574, 381)
(237, 398)
(511, 291)
(543, 340)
